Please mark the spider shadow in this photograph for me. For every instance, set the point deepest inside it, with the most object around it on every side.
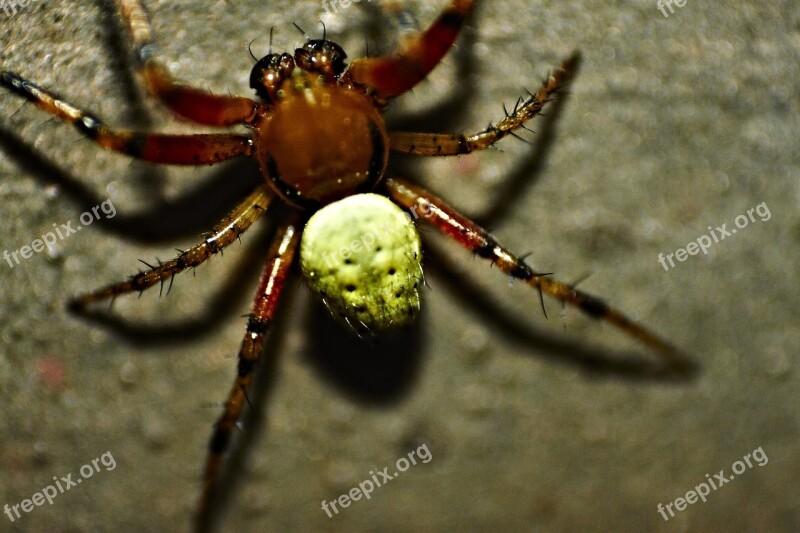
(190, 215)
(527, 171)
(194, 212)
(228, 299)
(371, 371)
(594, 361)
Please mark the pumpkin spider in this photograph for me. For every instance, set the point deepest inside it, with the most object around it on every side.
(318, 134)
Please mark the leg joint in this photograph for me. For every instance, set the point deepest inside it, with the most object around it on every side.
(486, 248)
(219, 441)
(594, 307)
(256, 325)
(245, 367)
(89, 125)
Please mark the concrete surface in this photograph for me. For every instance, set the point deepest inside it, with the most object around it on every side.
(674, 124)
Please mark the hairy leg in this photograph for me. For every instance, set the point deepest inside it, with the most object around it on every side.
(195, 104)
(171, 149)
(281, 256)
(479, 241)
(445, 144)
(394, 74)
(223, 234)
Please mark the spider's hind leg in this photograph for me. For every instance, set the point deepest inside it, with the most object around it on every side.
(273, 279)
(438, 144)
(191, 103)
(223, 234)
(479, 241)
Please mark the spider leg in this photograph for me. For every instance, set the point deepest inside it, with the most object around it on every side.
(281, 256)
(223, 234)
(194, 104)
(438, 144)
(171, 149)
(480, 242)
(394, 74)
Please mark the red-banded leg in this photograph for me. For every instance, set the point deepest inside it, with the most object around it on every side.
(170, 149)
(396, 73)
(195, 104)
(281, 256)
(480, 242)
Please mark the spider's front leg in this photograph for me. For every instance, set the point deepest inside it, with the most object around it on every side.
(437, 144)
(273, 279)
(392, 75)
(224, 233)
(170, 149)
(480, 242)
(195, 104)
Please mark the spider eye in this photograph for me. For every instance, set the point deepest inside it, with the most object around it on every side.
(323, 56)
(268, 74)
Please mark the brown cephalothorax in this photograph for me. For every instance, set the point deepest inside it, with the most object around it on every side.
(321, 141)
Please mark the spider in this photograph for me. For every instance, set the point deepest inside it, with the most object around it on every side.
(318, 135)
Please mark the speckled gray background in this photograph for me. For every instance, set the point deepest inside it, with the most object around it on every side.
(674, 124)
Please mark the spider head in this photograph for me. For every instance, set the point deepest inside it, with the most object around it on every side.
(269, 73)
(322, 56)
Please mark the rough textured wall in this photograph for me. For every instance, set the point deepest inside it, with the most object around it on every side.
(674, 124)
